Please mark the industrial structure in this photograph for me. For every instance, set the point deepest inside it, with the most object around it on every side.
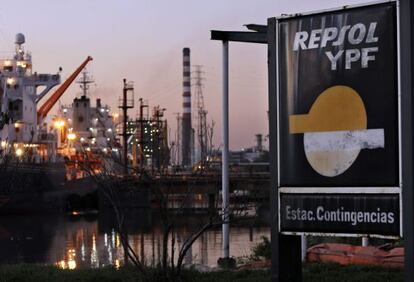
(149, 140)
(187, 130)
(126, 103)
(59, 156)
(81, 127)
(192, 147)
(201, 119)
(94, 132)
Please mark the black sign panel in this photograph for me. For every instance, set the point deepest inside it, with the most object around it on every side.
(338, 98)
(343, 213)
(338, 121)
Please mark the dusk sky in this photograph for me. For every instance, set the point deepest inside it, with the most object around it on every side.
(143, 40)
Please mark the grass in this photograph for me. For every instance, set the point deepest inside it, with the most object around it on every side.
(312, 273)
(324, 272)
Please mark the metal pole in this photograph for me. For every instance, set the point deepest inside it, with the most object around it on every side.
(274, 204)
(124, 133)
(225, 151)
(141, 137)
(286, 249)
(304, 245)
(365, 241)
(406, 24)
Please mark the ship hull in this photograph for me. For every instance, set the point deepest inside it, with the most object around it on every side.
(28, 189)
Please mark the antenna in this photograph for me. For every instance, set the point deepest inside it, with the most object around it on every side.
(85, 81)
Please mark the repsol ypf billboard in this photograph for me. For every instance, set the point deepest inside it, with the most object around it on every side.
(338, 103)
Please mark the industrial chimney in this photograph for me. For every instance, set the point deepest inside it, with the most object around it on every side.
(186, 119)
(259, 142)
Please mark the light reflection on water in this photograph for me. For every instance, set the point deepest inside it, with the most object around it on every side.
(79, 242)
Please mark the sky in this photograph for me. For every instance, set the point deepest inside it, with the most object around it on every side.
(142, 41)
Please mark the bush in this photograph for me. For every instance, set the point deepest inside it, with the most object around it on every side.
(262, 249)
(227, 263)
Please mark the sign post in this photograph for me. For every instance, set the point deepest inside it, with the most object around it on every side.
(407, 138)
(258, 36)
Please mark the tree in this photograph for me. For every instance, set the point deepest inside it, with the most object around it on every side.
(173, 255)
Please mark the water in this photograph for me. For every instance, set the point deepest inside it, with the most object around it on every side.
(92, 241)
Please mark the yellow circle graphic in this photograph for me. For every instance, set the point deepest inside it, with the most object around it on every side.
(337, 108)
(335, 130)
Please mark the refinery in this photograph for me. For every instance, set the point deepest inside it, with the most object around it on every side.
(74, 142)
(34, 135)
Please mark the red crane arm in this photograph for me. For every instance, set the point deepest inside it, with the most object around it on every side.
(47, 106)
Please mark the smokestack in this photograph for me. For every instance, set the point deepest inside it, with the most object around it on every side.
(186, 119)
(259, 142)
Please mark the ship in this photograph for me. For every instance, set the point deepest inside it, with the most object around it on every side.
(32, 170)
(88, 130)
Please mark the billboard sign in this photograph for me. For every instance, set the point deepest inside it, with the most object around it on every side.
(338, 122)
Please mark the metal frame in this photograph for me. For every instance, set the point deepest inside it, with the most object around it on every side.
(407, 138)
(225, 154)
(343, 190)
(340, 190)
(276, 267)
(258, 35)
(277, 105)
(399, 112)
(346, 7)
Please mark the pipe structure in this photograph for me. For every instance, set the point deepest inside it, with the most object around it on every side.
(125, 125)
(225, 153)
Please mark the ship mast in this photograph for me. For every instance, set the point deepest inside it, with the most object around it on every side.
(85, 81)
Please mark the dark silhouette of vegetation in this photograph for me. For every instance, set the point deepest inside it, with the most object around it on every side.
(173, 254)
(311, 273)
(262, 249)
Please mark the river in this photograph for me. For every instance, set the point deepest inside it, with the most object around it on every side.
(79, 241)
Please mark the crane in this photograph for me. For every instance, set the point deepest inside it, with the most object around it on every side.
(47, 106)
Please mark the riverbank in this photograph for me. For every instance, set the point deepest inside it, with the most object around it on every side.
(312, 273)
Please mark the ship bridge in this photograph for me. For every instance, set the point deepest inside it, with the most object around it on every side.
(21, 89)
(19, 95)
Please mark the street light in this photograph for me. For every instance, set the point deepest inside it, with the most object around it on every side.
(59, 124)
(19, 152)
(71, 136)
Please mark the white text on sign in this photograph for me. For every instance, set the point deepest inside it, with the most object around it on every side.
(334, 36)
